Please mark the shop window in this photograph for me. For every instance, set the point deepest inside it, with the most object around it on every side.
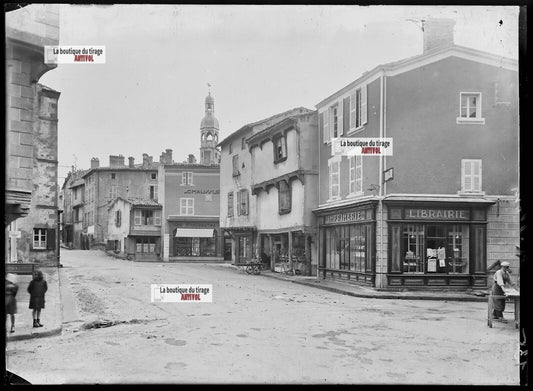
(145, 245)
(471, 175)
(230, 204)
(244, 248)
(242, 202)
(470, 108)
(284, 197)
(413, 245)
(280, 149)
(334, 178)
(39, 238)
(186, 206)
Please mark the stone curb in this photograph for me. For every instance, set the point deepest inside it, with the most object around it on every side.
(379, 295)
(47, 333)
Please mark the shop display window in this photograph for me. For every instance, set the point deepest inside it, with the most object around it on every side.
(435, 248)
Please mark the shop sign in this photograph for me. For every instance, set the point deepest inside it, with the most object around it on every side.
(436, 214)
(349, 217)
(201, 191)
(196, 225)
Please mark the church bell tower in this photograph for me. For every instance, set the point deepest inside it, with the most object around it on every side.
(209, 154)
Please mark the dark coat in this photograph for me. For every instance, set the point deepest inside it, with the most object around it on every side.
(37, 289)
(11, 301)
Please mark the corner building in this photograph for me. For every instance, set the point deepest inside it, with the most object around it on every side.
(444, 206)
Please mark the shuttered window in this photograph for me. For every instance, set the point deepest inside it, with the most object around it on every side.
(230, 204)
(325, 126)
(334, 178)
(39, 238)
(356, 175)
(358, 108)
(471, 175)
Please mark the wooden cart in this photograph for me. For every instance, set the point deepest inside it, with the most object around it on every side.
(513, 296)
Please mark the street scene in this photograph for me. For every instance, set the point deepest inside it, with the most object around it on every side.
(256, 330)
(264, 194)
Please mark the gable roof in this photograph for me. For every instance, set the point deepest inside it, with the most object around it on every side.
(397, 67)
(250, 126)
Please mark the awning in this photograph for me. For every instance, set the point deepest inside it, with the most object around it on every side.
(194, 233)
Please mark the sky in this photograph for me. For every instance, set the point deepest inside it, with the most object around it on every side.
(259, 60)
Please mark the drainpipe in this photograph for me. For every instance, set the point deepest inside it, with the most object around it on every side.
(381, 183)
(58, 239)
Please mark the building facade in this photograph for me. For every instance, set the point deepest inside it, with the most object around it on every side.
(285, 183)
(39, 229)
(134, 228)
(443, 207)
(104, 184)
(31, 114)
(190, 195)
(246, 170)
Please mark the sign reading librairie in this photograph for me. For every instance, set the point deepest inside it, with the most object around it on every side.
(437, 214)
(80, 54)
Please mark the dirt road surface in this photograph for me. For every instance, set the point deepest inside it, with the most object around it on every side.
(258, 330)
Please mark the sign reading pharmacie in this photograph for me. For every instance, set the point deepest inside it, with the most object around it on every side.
(350, 216)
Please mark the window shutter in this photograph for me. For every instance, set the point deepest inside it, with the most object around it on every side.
(352, 111)
(320, 124)
(137, 214)
(326, 125)
(340, 119)
(50, 239)
(157, 214)
(183, 178)
(364, 105)
(239, 195)
(346, 116)
(246, 202)
(467, 175)
(476, 175)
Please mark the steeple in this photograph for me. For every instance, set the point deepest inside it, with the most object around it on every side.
(209, 154)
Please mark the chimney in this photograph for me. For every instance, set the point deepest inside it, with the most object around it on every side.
(116, 161)
(95, 162)
(192, 159)
(169, 156)
(438, 33)
(131, 162)
(146, 159)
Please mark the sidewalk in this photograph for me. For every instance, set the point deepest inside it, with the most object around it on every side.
(51, 315)
(372, 293)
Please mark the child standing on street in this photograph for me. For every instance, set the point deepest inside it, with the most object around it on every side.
(37, 288)
(11, 301)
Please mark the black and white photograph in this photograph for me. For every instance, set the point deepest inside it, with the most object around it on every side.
(263, 194)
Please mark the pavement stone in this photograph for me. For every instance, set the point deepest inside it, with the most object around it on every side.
(51, 315)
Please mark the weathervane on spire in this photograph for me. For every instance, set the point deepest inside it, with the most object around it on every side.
(209, 88)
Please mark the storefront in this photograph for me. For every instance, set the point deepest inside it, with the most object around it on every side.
(435, 244)
(242, 243)
(196, 240)
(347, 243)
(286, 250)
